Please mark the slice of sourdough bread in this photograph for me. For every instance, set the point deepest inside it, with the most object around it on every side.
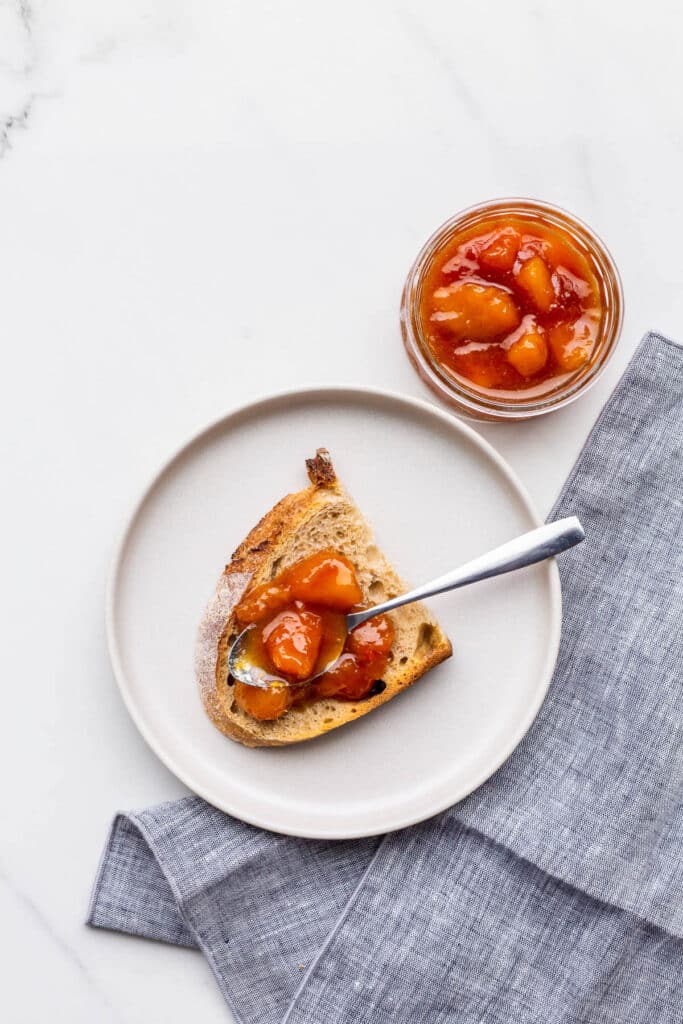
(320, 517)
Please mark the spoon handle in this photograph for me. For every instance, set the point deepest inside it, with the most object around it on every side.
(531, 547)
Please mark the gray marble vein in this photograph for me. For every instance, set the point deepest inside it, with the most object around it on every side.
(11, 123)
(43, 923)
(26, 14)
(421, 33)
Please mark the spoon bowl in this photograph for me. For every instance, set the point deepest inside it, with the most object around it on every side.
(243, 666)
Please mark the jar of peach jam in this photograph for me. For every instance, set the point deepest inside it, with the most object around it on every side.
(511, 309)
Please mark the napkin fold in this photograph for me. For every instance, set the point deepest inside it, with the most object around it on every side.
(551, 895)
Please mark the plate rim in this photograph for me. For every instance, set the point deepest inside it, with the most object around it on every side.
(331, 392)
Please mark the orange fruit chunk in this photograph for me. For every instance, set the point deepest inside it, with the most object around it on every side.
(349, 679)
(528, 354)
(475, 311)
(372, 638)
(266, 705)
(292, 641)
(326, 578)
(500, 251)
(268, 597)
(534, 277)
(571, 344)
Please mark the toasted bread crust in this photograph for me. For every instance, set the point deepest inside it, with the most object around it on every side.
(248, 564)
(320, 469)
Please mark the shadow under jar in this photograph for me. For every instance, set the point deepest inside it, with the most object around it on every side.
(511, 309)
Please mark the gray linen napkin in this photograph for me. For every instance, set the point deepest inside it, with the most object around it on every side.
(554, 893)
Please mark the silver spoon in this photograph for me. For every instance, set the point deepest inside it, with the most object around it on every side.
(531, 547)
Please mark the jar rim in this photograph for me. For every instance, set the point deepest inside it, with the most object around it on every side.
(471, 401)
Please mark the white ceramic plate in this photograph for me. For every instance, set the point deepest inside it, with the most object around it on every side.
(437, 495)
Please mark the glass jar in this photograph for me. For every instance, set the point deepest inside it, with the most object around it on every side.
(478, 402)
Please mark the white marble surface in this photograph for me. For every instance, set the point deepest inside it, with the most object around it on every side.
(204, 201)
